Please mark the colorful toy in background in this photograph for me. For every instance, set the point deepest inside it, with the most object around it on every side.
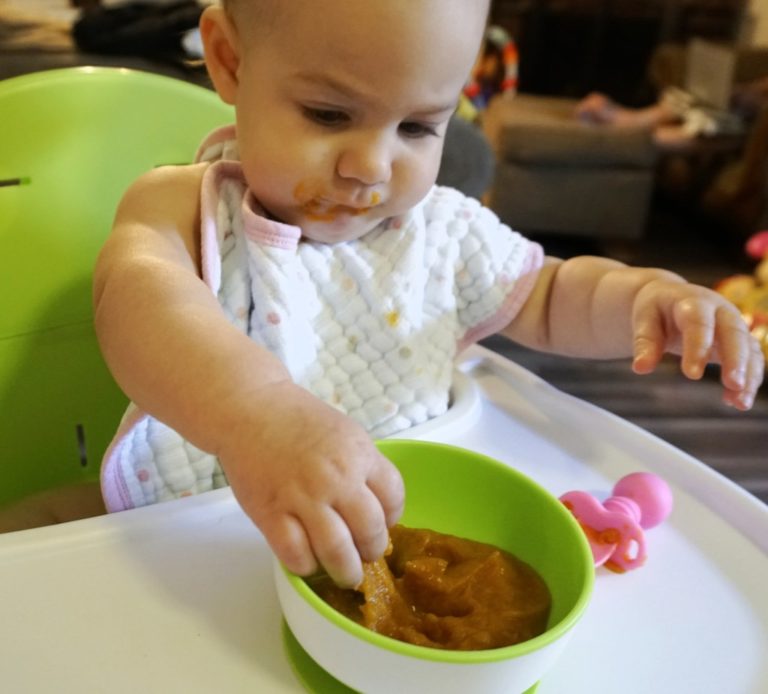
(750, 292)
(495, 72)
(615, 528)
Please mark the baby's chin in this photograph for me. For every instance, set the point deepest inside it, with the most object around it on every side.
(342, 228)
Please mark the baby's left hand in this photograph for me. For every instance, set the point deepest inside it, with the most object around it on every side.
(703, 327)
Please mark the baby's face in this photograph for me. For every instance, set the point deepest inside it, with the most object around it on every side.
(342, 107)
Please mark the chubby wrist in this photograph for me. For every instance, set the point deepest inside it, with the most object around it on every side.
(252, 414)
(638, 277)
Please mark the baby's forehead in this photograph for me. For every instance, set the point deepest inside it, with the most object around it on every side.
(400, 42)
(269, 12)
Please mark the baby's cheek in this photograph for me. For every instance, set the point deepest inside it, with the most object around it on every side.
(413, 185)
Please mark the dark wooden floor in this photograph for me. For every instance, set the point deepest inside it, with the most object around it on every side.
(688, 415)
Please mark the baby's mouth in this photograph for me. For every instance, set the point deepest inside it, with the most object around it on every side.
(324, 210)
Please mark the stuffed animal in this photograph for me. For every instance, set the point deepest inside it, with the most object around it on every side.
(750, 292)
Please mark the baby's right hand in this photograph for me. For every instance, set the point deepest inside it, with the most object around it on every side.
(311, 479)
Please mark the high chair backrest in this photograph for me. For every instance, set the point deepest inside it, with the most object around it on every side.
(71, 141)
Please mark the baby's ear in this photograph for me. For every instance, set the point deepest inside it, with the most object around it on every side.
(221, 50)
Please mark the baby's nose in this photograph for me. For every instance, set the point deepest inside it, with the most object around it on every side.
(367, 159)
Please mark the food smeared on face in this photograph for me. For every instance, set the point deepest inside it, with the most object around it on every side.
(443, 591)
(320, 207)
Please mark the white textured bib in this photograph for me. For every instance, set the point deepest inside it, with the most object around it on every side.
(370, 326)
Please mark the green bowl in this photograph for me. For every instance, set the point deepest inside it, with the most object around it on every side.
(456, 491)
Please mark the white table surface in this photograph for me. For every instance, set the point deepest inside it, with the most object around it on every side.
(178, 597)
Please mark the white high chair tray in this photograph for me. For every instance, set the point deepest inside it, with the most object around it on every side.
(178, 597)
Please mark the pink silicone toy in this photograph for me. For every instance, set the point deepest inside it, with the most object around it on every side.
(615, 527)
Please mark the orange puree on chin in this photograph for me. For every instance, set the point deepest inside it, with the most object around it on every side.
(442, 591)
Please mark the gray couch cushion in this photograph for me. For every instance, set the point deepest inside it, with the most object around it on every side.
(543, 131)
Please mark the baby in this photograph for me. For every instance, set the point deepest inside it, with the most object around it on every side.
(304, 287)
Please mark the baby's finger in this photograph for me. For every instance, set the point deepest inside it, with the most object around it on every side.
(742, 399)
(756, 370)
(386, 483)
(288, 540)
(333, 546)
(696, 323)
(734, 348)
(365, 519)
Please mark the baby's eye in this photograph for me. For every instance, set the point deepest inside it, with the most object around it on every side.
(417, 130)
(324, 116)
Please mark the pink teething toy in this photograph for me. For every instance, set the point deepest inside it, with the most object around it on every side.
(615, 527)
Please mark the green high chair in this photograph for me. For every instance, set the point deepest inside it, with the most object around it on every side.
(71, 141)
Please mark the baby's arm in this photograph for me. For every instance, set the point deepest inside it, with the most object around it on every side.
(595, 307)
(308, 476)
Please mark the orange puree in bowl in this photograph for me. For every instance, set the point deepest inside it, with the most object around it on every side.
(443, 591)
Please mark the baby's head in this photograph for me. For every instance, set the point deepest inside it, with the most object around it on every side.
(341, 106)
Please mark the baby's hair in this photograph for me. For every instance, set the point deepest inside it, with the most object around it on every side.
(260, 13)
(228, 5)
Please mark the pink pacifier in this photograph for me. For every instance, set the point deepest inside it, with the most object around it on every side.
(614, 528)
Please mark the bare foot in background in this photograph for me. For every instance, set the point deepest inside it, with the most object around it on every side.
(668, 129)
(599, 109)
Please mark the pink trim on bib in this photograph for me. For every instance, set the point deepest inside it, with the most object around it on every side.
(114, 488)
(223, 134)
(267, 232)
(213, 177)
(534, 259)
